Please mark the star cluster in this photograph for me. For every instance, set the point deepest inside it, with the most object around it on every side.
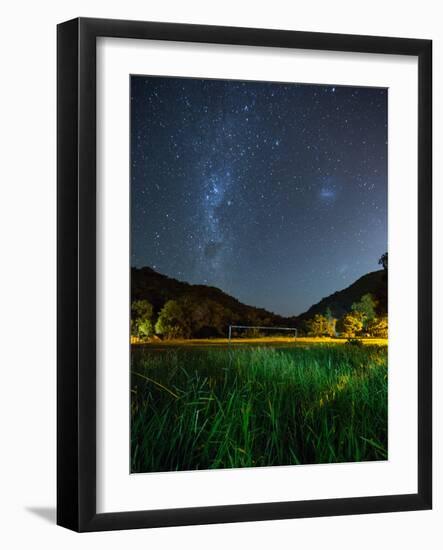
(276, 193)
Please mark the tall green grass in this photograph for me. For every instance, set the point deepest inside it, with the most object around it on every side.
(231, 408)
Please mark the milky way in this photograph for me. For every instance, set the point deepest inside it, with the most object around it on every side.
(276, 193)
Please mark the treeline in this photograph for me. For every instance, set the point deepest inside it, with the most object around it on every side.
(191, 318)
(172, 309)
(183, 310)
(361, 321)
(188, 317)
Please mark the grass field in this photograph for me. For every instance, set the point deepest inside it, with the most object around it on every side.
(261, 342)
(200, 406)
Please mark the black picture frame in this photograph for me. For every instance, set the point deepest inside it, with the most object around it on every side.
(76, 265)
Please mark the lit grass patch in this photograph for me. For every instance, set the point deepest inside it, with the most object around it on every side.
(243, 407)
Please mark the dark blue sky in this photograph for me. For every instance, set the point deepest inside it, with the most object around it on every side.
(276, 193)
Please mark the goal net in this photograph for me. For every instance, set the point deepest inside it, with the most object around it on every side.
(247, 331)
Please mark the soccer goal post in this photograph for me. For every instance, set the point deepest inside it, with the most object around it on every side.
(247, 327)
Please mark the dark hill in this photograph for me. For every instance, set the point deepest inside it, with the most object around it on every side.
(340, 302)
(148, 284)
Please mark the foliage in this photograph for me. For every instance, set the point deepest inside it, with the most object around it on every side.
(206, 318)
(351, 324)
(322, 325)
(172, 321)
(340, 302)
(231, 408)
(141, 319)
(383, 261)
(362, 319)
(382, 295)
(142, 328)
(331, 323)
(378, 327)
(201, 311)
(212, 309)
(365, 308)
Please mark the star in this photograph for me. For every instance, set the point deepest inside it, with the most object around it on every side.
(252, 186)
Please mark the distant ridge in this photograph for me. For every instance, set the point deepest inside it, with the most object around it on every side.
(148, 284)
(340, 302)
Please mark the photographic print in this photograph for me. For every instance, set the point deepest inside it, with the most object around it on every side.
(259, 272)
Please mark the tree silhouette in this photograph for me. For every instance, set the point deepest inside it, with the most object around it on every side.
(383, 261)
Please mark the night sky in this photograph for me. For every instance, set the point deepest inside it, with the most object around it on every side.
(276, 193)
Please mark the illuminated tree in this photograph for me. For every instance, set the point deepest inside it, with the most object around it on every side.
(172, 321)
(366, 308)
(331, 323)
(317, 325)
(378, 328)
(351, 324)
(322, 325)
(141, 319)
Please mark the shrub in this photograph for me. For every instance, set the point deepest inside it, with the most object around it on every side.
(142, 326)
